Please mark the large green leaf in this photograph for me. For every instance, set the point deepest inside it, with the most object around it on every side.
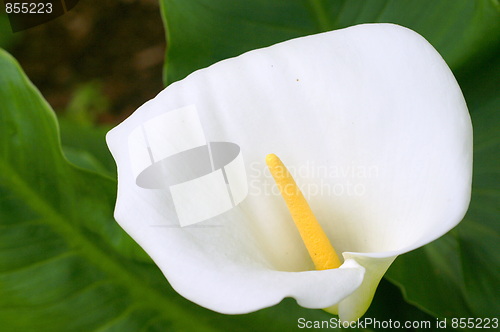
(59, 267)
(457, 275)
(202, 32)
(479, 233)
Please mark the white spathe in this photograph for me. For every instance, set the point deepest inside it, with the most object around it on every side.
(375, 130)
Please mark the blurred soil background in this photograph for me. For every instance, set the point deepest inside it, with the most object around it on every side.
(98, 62)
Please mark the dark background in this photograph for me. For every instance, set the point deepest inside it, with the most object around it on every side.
(104, 57)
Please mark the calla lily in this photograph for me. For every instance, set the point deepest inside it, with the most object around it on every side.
(369, 121)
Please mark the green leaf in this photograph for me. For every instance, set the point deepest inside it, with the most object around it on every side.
(202, 32)
(389, 305)
(58, 264)
(431, 278)
(479, 233)
(7, 37)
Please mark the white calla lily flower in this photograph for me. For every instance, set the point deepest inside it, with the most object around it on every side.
(371, 124)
